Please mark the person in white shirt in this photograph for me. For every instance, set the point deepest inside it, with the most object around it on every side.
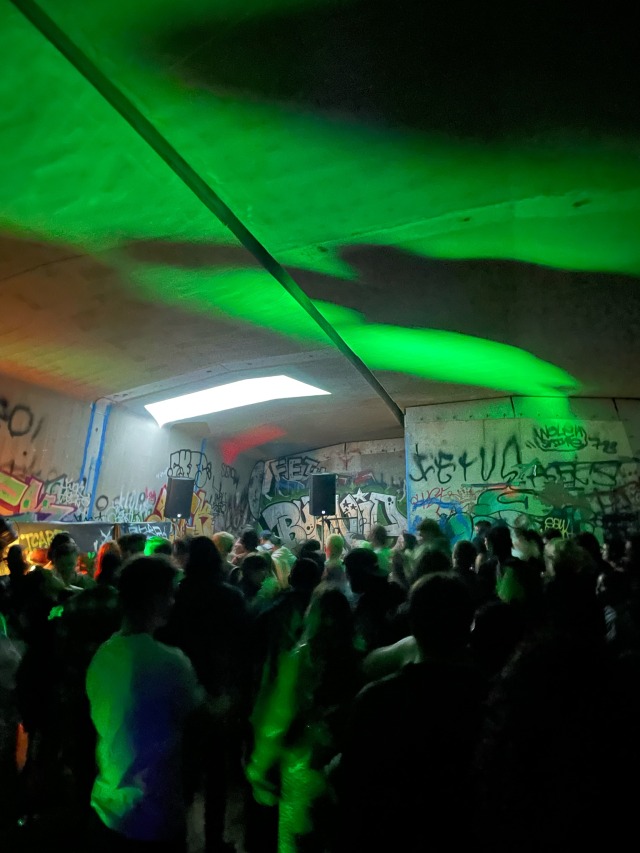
(141, 693)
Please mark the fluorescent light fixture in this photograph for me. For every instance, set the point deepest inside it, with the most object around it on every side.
(231, 396)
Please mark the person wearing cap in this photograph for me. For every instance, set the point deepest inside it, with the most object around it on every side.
(265, 541)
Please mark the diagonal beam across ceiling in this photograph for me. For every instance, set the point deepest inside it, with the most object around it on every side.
(209, 198)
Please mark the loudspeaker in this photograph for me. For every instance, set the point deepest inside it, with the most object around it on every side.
(322, 494)
(178, 501)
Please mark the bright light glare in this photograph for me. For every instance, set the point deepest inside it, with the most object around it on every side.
(231, 396)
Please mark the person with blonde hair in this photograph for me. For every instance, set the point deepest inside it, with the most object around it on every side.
(334, 570)
(224, 543)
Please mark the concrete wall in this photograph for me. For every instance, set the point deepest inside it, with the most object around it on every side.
(64, 460)
(569, 465)
(370, 489)
(574, 466)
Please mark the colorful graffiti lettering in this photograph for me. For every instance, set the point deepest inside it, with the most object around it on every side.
(502, 479)
(278, 498)
(62, 499)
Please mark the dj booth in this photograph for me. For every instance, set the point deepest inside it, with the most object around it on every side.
(88, 535)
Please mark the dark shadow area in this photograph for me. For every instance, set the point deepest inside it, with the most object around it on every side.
(471, 69)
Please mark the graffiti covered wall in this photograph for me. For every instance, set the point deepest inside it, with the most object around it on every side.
(567, 473)
(370, 487)
(61, 461)
(40, 463)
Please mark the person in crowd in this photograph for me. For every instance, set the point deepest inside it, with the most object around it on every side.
(209, 624)
(283, 560)
(547, 749)
(480, 530)
(499, 544)
(431, 537)
(571, 606)
(62, 538)
(527, 544)
(632, 554)
(64, 559)
(11, 651)
(131, 545)
(464, 557)
(279, 625)
(431, 561)
(266, 541)
(276, 629)
(208, 620)
(613, 551)
(405, 786)
(402, 555)
(254, 571)
(299, 721)
(489, 565)
(588, 541)
(181, 551)
(224, 543)
(247, 543)
(11, 584)
(376, 600)
(108, 564)
(311, 549)
(141, 694)
(549, 534)
(379, 541)
(37, 684)
(334, 571)
(407, 542)
(520, 586)
(89, 619)
(158, 545)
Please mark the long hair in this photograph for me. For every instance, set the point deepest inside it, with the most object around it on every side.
(329, 638)
(204, 562)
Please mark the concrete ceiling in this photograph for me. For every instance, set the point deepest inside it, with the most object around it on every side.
(447, 204)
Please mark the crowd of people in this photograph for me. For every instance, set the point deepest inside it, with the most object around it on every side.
(367, 695)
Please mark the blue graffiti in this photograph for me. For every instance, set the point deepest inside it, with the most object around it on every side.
(454, 525)
(454, 506)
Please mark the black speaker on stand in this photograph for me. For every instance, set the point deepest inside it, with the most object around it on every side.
(179, 494)
(322, 497)
(322, 494)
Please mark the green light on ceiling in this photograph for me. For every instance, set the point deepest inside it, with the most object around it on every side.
(442, 356)
(76, 173)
